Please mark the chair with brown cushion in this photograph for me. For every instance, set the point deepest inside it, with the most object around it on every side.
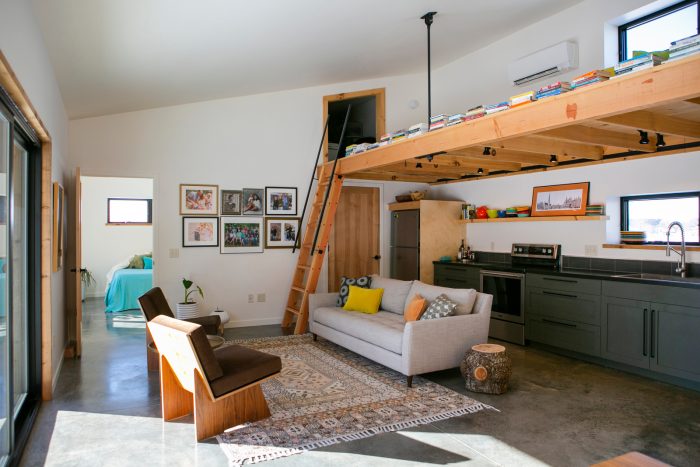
(153, 303)
(221, 386)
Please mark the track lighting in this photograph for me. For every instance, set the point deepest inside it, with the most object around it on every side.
(660, 143)
(419, 166)
(553, 159)
(487, 151)
(480, 171)
(643, 137)
(430, 158)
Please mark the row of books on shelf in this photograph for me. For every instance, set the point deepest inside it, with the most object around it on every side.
(679, 49)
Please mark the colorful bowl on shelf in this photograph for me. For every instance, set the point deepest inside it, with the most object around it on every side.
(632, 236)
(501, 213)
(595, 210)
(492, 213)
(481, 212)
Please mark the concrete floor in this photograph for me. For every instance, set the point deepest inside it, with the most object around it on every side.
(559, 411)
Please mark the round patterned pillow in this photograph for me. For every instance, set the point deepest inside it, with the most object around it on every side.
(346, 282)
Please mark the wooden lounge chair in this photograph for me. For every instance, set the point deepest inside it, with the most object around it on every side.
(221, 387)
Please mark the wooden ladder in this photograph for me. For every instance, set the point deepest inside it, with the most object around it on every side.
(310, 259)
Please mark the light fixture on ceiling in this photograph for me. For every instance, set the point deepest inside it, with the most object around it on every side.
(419, 166)
(553, 159)
(487, 151)
(660, 143)
(480, 171)
(643, 137)
(430, 158)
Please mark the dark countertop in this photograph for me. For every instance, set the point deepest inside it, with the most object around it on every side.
(651, 279)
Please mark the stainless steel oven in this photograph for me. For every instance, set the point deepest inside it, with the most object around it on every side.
(508, 308)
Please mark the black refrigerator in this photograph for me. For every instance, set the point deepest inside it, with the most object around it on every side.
(405, 245)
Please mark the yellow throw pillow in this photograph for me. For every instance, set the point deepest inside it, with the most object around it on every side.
(363, 300)
(415, 308)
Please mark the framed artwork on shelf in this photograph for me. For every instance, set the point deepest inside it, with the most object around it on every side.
(281, 232)
(199, 200)
(280, 201)
(252, 202)
(569, 199)
(241, 234)
(231, 202)
(200, 231)
(58, 226)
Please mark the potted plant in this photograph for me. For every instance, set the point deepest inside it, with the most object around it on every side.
(188, 308)
(86, 280)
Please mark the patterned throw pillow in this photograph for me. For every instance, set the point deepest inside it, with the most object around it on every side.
(346, 282)
(439, 308)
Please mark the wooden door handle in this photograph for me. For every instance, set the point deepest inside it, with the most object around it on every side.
(377, 257)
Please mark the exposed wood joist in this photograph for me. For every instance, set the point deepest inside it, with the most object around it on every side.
(457, 161)
(659, 123)
(505, 155)
(392, 177)
(587, 134)
(562, 149)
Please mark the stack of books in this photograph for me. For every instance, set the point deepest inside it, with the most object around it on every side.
(637, 63)
(632, 236)
(417, 129)
(595, 210)
(438, 121)
(349, 150)
(493, 108)
(522, 99)
(455, 119)
(553, 89)
(362, 147)
(398, 136)
(385, 139)
(592, 77)
(684, 47)
(373, 146)
(475, 112)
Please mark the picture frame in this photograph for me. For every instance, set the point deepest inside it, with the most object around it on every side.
(200, 231)
(280, 201)
(241, 234)
(569, 199)
(252, 202)
(58, 226)
(199, 200)
(231, 202)
(281, 232)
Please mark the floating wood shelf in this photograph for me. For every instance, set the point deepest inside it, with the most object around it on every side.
(625, 246)
(535, 219)
(592, 125)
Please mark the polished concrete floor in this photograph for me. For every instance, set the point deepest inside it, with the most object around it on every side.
(559, 412)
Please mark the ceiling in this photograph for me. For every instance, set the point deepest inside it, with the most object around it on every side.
(113, 56)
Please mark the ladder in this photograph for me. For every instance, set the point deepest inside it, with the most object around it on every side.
(312, 250)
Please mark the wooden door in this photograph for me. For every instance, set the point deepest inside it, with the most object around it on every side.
(354, 242)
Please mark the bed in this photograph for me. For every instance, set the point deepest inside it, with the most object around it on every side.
(126, 286)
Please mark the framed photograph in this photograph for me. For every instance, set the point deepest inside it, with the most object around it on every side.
(281, 232)
(231, 202)
(560, 200)
(58, 226)
(200, 231)
(199, 200)
(252, 202)
(280, 201)
(241, 234)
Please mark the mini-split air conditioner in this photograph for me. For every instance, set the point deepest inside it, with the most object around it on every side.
(546, 62)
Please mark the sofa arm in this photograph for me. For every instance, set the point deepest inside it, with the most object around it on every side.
(319, 300)
(438, 344)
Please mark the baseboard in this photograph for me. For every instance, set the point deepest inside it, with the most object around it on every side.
(252, 322)
(95, 295)
(56, 373)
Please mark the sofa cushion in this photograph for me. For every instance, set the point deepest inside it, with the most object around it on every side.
(363, 300)
(439, 308)
(415, 308)
(395, 293)
(464, 298)
(383, 329)
(346, 282)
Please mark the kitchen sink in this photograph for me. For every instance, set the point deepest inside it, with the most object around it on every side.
(658, 277)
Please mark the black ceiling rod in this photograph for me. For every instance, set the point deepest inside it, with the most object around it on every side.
(428, 18)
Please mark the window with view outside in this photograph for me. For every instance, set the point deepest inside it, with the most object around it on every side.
(123, 211)
(654, 215)
(657, 34)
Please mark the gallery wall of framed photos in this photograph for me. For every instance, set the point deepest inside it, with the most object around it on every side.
(247, 220)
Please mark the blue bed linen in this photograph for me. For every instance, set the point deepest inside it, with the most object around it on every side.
(2, 294)
(126, 287)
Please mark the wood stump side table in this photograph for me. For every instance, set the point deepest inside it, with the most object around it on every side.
(486, 368)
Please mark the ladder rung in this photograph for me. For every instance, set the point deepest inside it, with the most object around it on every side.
(294, 311)
(303, 266)
(298, 289)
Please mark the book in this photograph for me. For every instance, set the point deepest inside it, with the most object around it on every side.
(686, 51)
(386, 138)
(437, 118)
(493, 108)
(558, 85)
(593, 80)
(602, 74)
(475, 112)
(417, 129)
(625, 71)
(437, 125)
(550, 93)
(685, 40)
(646, 58)
(684, 46)
(523, 98)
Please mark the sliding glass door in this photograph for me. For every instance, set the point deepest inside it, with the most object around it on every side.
(5, 419)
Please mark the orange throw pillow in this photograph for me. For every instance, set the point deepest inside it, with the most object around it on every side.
(415, 308)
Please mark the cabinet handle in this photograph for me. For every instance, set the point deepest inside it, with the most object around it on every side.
(545, 320)
(644, 334)
(559, 294)
(554, 279)
(651, 335)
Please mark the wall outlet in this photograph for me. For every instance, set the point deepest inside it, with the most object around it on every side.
(591, 250)
(261, 297)
(251, 298)
(174, 253)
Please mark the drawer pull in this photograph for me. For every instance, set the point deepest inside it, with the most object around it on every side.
(644, 335)
(652, 340)
(549, 321)
(559, 294)
(556, 279)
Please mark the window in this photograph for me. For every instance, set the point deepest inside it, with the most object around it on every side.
(652, 214)
(129, 211)
(656, 31)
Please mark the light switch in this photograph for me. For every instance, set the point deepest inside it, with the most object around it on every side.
(174, 253)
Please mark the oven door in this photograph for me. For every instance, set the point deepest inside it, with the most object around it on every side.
(508, 290)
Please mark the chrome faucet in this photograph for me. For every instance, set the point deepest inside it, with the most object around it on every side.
(681, 264)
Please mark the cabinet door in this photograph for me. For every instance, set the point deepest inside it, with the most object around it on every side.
(675, 342)
(578, 307)
(625, 326)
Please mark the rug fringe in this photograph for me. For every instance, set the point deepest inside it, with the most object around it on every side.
(285, 452)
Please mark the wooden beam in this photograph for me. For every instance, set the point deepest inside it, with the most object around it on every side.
(695, 100)
(588, 134)
(565, 150)
(659, 123)
(468, 162)
(393, 177)
(657, 86)
(505, 155)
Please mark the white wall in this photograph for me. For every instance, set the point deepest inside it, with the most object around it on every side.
(105, 245)
(22, 44)
(253, 141)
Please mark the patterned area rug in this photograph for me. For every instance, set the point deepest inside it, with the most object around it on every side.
(326, 394)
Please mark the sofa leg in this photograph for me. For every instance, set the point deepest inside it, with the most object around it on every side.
(315, 337)
(409, 381)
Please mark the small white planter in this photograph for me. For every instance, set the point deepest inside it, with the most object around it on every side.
(187, 310)
(223, 315)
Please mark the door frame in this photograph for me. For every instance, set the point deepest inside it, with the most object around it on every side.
(380, 110)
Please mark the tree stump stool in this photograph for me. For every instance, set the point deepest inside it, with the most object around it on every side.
(486, 368)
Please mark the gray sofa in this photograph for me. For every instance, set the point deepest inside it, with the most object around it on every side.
(413, 347)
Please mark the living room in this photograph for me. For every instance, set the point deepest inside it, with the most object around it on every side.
(233, 97)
